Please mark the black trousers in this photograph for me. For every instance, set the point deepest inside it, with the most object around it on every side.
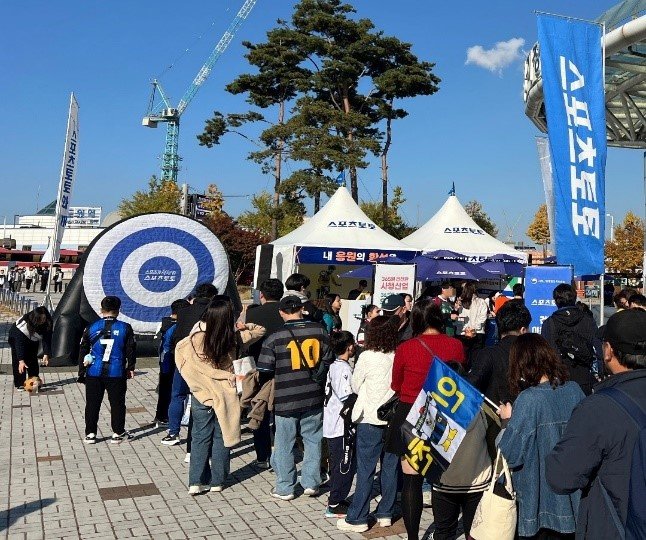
(58, 286)
(95, 388)
(163, 397)
(262, 439)
(446, 512)
(340, 484)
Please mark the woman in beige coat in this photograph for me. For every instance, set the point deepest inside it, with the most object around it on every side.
(205, 361)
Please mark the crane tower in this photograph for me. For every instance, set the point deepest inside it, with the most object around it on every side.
(165, 112)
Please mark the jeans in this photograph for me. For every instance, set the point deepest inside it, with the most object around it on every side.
(262, 439)
(207, 442)
(310, 424)
(446, 511)
(368, 449)
(176, 408)
(163, 398)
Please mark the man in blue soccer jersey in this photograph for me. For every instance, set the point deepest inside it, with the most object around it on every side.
(106, 360)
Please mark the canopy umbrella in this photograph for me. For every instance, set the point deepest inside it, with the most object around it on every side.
(445, 254)
(367, 271)
(503, 268)
(504, 257)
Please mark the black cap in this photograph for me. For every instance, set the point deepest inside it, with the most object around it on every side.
(392, 302)
(626, 331)
(290, 303)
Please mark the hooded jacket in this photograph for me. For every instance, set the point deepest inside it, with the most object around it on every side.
(211, 386)
(574, 319)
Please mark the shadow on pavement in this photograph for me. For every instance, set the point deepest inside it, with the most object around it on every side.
(9, 517)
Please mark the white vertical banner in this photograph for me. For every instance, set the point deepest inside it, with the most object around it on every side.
(545, 159)
(393, 279)
(68, 174)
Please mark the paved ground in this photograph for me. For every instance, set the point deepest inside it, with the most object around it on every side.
(57, 487)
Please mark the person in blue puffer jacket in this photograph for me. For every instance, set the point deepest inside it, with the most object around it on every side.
(107, 358)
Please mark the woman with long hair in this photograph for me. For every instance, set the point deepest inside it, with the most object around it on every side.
(472, 313)
(545, 402)
(413, 360)
(205, 361)
(331, 318)
(371, 382)
(25, 337)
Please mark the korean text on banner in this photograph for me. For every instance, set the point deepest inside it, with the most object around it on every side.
(439, 419)
(571, 67)
(68, 174)
(540, 282)
(393, 279)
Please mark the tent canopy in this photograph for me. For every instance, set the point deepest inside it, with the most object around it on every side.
(452, 228)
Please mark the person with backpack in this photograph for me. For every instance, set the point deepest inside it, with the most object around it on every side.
(603, 450)
(167, 362)
(573, 335)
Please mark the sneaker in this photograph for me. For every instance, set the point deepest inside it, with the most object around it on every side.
(262, 465)
(187, 457)
(161, 423)
(384, 522)
(343, 525)
(171, 440)
(116, 439)
(276, 495)
(216, 489)
(197, 490)
(20, 388)
(337, 511)
(311, 492)
(90, 438)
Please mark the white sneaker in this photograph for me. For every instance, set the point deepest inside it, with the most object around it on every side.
(187, 457)
(311, 492)
(384, 522)
(287, 497)
(343, 525)
(198, 489)
(216, 489)
(90, 438)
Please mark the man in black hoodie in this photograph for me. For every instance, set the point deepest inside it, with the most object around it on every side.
(186, 319)
(489, 371)
(573, 333)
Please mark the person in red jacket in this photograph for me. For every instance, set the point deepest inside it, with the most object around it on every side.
(413, 359)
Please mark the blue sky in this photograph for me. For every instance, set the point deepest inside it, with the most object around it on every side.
(472, 132)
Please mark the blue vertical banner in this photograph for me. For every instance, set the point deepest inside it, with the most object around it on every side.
(572, 73)
(540, 282)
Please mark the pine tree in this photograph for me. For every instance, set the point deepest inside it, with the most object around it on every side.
(477, 213)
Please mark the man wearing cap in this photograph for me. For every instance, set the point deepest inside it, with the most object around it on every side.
(595, 453)
(291, 355)
(395, 305)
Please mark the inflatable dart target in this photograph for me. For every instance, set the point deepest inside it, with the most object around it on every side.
(148, 261)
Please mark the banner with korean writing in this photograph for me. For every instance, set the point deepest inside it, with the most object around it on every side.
(540, 282)
(68, 174)
(439, 419)
(572, 72)
(393, 279)
(334, 255)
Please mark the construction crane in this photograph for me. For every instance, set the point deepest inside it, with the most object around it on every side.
(165, 112)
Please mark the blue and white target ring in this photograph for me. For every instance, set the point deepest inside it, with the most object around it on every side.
(148, 262)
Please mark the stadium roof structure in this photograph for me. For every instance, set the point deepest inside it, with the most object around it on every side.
(625, 76)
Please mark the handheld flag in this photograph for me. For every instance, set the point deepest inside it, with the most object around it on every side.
(438, 420)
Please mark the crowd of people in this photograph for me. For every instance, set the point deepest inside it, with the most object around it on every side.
(563, 400)
(32, 279)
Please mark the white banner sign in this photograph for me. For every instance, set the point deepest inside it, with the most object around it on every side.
(68, 173)
(84, 215)
(393, 279)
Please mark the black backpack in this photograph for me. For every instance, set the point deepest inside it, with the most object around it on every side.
(574, 348)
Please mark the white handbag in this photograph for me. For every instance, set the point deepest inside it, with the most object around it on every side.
(496, 515)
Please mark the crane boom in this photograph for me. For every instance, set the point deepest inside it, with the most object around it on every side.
(171, 115)
(221, 46)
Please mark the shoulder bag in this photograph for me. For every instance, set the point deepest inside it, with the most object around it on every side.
(496, 514)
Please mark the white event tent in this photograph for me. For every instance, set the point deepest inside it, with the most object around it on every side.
(339, 233)
(451, 228)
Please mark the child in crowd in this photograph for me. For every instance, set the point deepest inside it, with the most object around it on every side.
(337, 389)
(167, 362)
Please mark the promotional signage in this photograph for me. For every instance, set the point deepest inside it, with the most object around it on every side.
(84, 215)
(393, 279)
(572, 72)
(540, 282)
(321, 255)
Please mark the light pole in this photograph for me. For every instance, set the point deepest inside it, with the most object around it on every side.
(612, 227)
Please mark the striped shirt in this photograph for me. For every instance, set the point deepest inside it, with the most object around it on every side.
(294, 391)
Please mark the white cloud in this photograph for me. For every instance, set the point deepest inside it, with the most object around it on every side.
(498, 57)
